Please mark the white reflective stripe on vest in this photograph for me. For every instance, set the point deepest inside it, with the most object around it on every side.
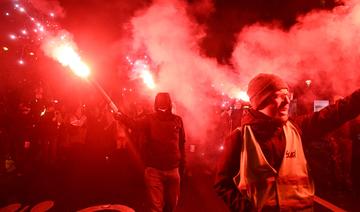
(291, 187)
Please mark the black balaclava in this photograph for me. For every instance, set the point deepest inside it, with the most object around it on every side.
(163, 102)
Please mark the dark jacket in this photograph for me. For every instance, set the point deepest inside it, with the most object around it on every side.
(164, 139)
(270, 136)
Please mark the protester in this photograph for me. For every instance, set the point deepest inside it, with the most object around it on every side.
(164, 158)
(263, 166)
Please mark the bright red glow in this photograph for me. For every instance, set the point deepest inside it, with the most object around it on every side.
(142, 69)
(12, 37)
(242, 95)
(64, 52)
(67, 56)
(43, 112)
(148, 79)
(221, 148)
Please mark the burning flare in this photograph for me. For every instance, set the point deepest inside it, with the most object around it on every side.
(63, 50)
(242, 95)
(67, 56)
(147, 79)
(141, 69)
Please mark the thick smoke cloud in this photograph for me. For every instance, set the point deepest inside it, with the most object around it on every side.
(171, 37)
(321, 47)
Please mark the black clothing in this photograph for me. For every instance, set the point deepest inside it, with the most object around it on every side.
(164, 139)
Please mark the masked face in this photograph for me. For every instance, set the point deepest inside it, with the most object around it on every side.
(278, 107)
(163, 102)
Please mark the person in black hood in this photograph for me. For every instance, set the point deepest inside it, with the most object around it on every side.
(263, 167)
(164, 156)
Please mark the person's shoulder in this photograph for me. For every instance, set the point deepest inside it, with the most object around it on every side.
(296, 121)
(237, 132)
(234, 139)
(176, 116)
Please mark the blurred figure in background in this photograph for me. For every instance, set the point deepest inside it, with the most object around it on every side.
(77, 128)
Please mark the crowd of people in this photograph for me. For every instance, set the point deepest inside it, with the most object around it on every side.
(43, 133)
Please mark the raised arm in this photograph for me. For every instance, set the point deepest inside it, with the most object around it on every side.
(330, 117)
(132, 123)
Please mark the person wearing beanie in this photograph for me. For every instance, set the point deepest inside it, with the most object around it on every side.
(262, 87)
(263, 166)
(164, 152)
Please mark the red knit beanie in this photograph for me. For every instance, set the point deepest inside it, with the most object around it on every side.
(263, 86)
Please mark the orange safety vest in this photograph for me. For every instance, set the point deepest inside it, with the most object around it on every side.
(290, 188)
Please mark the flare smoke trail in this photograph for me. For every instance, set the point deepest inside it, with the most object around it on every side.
(171, 38)
(321, 47)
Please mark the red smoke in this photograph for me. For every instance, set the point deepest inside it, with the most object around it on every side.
(47, 7)
(171, 37)
(322, 47)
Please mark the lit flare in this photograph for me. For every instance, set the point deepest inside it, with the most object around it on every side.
(242, 95)
(67, 56)
(147, 79)
(64, 52)
(142, 70)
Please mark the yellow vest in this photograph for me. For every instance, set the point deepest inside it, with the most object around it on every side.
(290, 187)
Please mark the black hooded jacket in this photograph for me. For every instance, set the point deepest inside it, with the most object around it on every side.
(163, 140)
(163, 135)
